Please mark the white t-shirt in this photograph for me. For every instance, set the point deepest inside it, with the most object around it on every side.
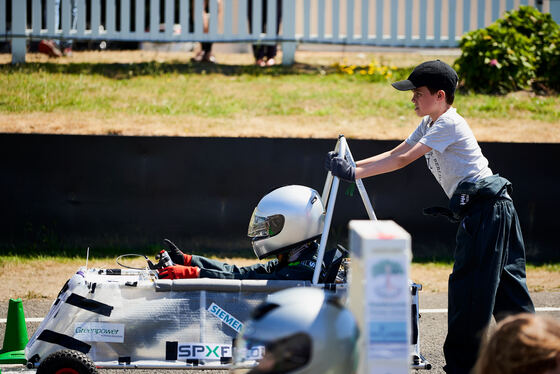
(455, 156)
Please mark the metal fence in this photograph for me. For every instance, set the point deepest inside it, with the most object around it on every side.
(408, 23)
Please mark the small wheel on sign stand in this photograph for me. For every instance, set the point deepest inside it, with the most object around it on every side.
(67, 362)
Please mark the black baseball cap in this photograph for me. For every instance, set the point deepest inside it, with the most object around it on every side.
(435, 74)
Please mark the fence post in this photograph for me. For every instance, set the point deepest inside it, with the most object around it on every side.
(19, 24)
(288, 32)
(554, 10)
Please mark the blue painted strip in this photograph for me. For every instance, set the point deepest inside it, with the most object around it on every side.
(437, 22)
(95, 16)
(154, 18)
(321, 19)
(349, 20)
(242, 29)
(365, 19)
(395, 21)
(306, 18)
(140, 24)
(335, 19)
(408, 23)
(495, 10)
(228, 18)
(481, 12)
(423, 19)
(452, 25)
(271, 19)
(509, 5)
(466, 15)
(379, 22)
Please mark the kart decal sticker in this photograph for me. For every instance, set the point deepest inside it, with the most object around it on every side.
(99, 332)
(66, 341)
(88, 304)
(197, 351)
(226, 318)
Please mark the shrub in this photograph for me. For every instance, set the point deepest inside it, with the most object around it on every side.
(512, 53)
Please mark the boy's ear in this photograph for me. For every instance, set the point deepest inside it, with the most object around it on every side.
(441, 94)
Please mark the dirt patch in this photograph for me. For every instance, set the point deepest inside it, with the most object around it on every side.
(434, 278)
(43, 279)
(80, 123)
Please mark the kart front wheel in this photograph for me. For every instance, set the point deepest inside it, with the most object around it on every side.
(67, 362)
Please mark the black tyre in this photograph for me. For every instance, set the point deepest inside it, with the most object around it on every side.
(67, 362)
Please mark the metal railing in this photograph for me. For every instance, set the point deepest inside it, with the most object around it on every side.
(407, 23)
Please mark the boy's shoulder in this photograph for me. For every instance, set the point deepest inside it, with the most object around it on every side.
(451, 117)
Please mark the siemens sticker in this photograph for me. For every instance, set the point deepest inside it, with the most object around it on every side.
(99, 332)
(226, 318)
(203, 351)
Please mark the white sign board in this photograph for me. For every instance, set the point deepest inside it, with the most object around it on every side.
(380, 295)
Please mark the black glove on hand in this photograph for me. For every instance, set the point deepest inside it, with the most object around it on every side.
(436, 211)
(175, 253)
(342, 169)
(329, 158)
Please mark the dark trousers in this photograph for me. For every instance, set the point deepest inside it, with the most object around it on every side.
(262, 51)
(488, 279)
(205, 46)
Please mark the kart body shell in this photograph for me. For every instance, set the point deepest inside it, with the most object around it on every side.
(123, 318)
(132, 319)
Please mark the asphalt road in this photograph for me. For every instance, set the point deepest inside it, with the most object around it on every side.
(433, 326)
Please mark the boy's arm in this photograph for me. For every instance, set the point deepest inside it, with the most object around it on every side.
(397, 158)
(401, 148)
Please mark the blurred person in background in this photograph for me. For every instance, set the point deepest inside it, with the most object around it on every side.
(521, 344)
(265, 54)
(59, 48)
(205, 53)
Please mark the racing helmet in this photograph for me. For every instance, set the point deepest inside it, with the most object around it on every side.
(298, 331)
(284, 218)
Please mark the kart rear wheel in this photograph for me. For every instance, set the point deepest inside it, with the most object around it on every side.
(67, 362)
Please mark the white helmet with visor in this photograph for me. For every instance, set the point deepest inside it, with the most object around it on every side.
(285, 218)
(299, 330)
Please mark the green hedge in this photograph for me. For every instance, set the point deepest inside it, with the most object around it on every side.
(518, 51)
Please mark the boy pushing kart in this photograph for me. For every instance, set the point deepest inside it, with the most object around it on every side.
(488, 276)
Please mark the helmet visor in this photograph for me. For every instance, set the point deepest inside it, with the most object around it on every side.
(281, 356)
(265, 227)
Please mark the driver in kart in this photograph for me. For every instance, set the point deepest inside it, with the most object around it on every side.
(285, 224)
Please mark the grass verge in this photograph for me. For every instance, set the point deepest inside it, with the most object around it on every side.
(310, 99)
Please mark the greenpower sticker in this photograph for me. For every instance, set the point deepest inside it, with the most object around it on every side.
(226, 318)
(99, 332)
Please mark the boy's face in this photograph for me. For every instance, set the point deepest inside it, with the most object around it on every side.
(424, 102)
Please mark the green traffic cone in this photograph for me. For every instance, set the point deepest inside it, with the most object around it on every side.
(15, 337)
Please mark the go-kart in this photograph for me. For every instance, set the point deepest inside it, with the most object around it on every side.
(128, 318)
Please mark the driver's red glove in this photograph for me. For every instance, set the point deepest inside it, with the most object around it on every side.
(179, 272)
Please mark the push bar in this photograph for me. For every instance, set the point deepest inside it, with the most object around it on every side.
(329, 198)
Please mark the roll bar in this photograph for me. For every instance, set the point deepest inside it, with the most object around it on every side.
(329, 198)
